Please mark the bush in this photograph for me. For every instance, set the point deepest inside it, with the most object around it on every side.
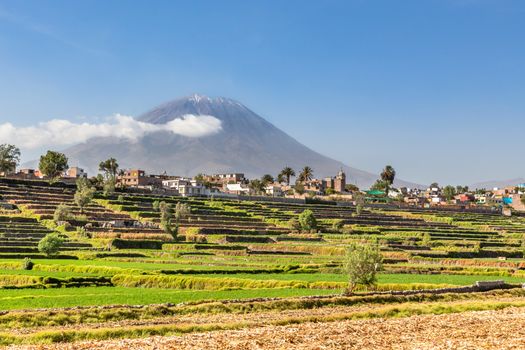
(50, 244)
(362, 263)
(62, 213)
(307, 220)
(294, 224)
(337, 225)
(27, 264)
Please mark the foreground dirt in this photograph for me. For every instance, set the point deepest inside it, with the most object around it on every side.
(503, 329)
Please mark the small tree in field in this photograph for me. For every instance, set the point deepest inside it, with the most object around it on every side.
(166, 217)
(50, 244)
(62, 213)
(362, 263)
(307, 220)
(182, 210)
(84, 194)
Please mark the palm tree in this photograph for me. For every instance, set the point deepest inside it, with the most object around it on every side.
(109, 167)
(388, 174)
(306, 174)
(288, 173)
(280, 178)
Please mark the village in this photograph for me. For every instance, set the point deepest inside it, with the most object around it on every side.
(306, 187)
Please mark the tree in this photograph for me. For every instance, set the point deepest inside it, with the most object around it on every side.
(380, 185)
(84, 194)
(52, 164)
(307, 220)
(109, 167)
(9, 158)
(166, 217)
(50, 244)
(267, 179)
(449, 192)
(280, 178)
(351, 188)
(306, 174)
(461, 189)
(109, 186)
(388, 176)
(299, 188)
(362, 263)
(288, 173)
(434, 185)
(257, 186)
(97, 181)
(182, 210)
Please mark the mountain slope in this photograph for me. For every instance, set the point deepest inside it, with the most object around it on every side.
(247, 143)
(498, 183)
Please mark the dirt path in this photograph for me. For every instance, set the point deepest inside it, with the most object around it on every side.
(503, 329)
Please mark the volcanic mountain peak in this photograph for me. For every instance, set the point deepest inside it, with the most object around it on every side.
(220, 107)
(246, 143)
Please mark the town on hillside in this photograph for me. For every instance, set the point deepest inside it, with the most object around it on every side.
(290, 184)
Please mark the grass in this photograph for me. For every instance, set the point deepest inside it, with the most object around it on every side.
(90, 296)
(382, 278)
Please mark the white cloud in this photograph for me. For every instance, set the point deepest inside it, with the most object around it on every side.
(59, 132)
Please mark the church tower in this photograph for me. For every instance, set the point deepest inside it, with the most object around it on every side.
(340, 181)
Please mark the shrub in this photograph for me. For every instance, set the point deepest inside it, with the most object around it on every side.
(50, 244)
(337, 225)
(307, 220)
(120, 198)
(156, 205)
(362, 263)
(294, 224)
(27, 264)
(62, 213)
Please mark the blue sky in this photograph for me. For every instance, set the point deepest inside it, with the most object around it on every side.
(435, 88)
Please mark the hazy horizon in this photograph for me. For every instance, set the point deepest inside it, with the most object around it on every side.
(433, 88)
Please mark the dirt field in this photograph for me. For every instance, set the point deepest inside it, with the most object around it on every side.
(503, 329)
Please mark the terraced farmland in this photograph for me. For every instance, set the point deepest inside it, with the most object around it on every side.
(235, 265)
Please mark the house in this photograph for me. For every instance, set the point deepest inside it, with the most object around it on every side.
(237, 188)
(75, 173)
(516, 202)
(230, 177)
(187, 187)
(274, 190)
(137, 178)
(464, 198)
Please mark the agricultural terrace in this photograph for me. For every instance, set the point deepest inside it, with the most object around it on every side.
(234, 264)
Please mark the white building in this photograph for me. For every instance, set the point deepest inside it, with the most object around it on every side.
(187, 187)
(237, 188)
(274, 190)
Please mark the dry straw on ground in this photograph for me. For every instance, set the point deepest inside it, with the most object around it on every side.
(504, 329)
